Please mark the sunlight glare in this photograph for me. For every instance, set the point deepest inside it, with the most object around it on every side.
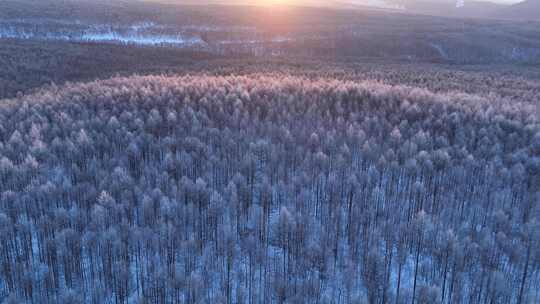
(275, 2)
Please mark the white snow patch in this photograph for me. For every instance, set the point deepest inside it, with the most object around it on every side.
(141, 39)
(440, 50)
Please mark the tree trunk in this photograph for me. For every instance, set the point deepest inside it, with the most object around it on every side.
(524, 277)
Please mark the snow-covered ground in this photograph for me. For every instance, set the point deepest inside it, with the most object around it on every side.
(142, 33)
(112, 37)
(439, 48)
(140, 39)
(523, 53)
(146, 33)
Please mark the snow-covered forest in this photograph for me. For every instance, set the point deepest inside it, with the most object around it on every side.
(267, 189)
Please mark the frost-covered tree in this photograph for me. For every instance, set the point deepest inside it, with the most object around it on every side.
(267, 189)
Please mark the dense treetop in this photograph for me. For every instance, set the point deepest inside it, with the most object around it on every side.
(460, 125)
(267, 189)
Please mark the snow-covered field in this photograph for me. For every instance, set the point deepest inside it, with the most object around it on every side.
(145, 33)
(347, 40)
(141, 40)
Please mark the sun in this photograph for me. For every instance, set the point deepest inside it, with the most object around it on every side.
(276, 2)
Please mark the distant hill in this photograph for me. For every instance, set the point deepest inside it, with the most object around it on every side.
(448, 8)
(526, 10)
(341, 4)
